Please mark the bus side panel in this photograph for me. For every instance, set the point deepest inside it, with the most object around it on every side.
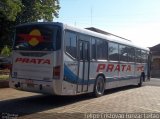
(127, 74)
(93, 75)
(116, 74)
(139, 68)
(107, 69)
(69, 83)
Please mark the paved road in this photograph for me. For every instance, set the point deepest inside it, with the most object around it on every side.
(153, 82)
(130, 99)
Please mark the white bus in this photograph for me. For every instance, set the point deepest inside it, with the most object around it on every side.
(58, 59)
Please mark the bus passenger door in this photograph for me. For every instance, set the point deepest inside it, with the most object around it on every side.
(83, 70)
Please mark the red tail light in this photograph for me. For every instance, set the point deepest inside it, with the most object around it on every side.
(56, 72)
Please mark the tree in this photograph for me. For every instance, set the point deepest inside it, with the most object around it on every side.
(13, 12)
(33, 10)
(9, 9)
(8, 12)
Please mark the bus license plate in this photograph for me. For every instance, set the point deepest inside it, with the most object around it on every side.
(29, 83)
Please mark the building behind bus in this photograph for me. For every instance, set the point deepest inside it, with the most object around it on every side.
(155, 68)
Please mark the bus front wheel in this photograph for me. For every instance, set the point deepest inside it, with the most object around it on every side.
(99, 86)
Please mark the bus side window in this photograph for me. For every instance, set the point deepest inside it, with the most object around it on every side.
(113, 51)
(93, 49)
(144, 56)
(131, 54)
(138, 56)
(81, 52)
(102, 49)
(123, 53)
(71, 44)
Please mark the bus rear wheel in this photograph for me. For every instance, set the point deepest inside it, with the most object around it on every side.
(99, 86)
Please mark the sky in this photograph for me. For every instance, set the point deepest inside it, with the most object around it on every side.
(136, 20)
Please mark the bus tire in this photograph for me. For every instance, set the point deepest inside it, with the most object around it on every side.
(99, 86)
(141, 81)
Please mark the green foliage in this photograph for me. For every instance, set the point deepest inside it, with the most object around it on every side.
(10, 8)
(13, 12)
(45, 9)
(6, 51)
(34, 10)
(23, 11)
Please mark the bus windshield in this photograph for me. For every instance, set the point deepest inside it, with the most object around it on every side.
(39, 37)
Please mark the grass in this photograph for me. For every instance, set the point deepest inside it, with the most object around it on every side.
(4, 77)
(4, 74)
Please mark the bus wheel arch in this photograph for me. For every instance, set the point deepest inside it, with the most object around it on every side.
(99, 85)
